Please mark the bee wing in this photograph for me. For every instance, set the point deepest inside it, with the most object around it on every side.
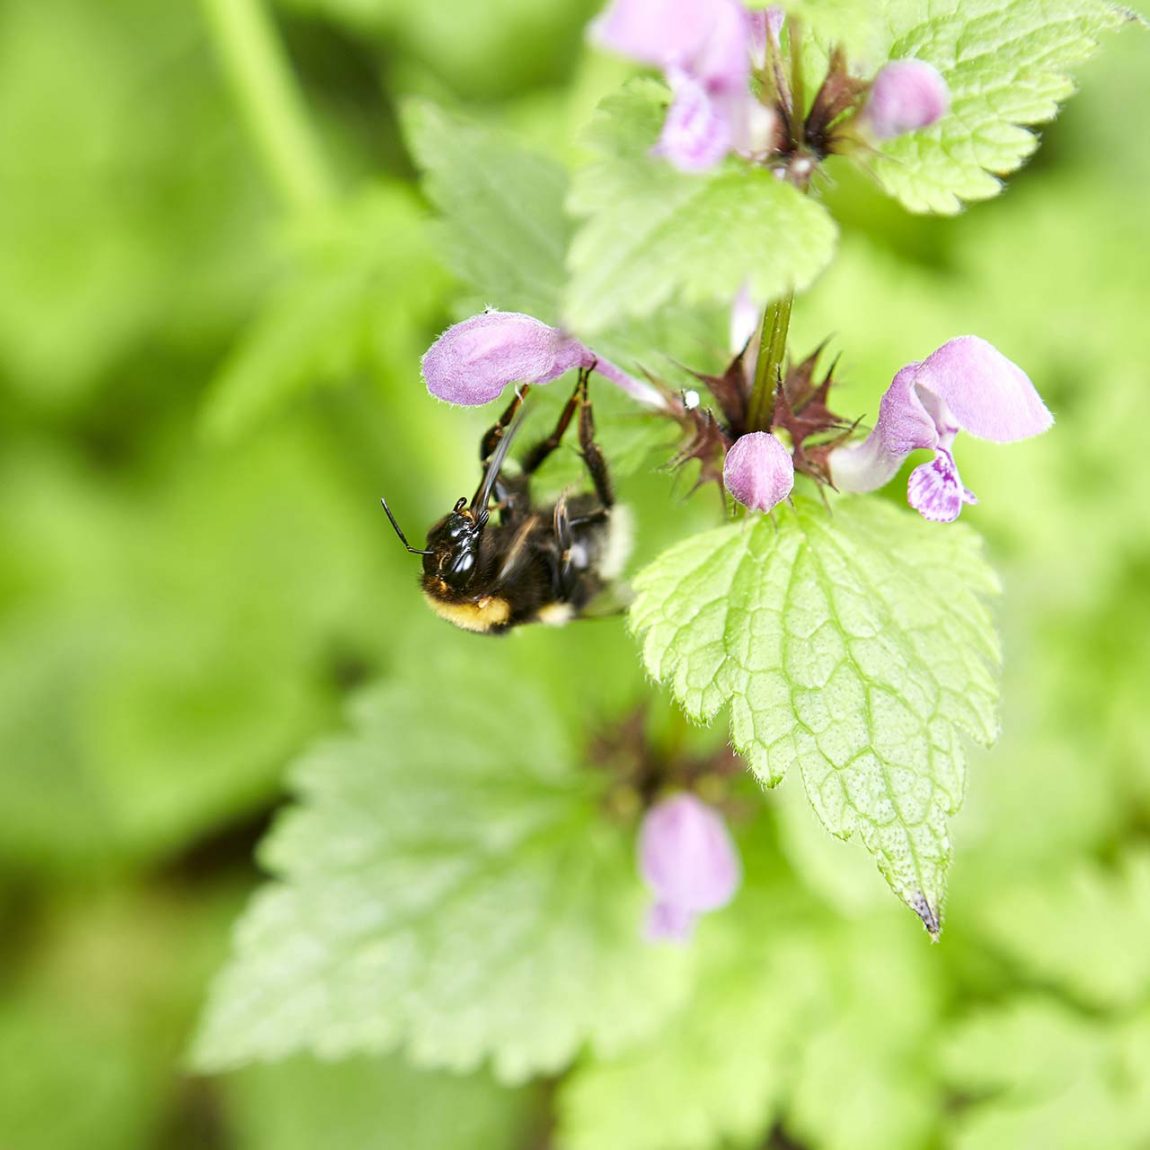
(519, 551)
(615, 599)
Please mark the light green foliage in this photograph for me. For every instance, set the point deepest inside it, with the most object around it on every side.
(856, 644)
(1043, 1075)
(504, 231)
(178, 619)
(1006, 63)
(362, 287)
(653, 234)
(864, 1073)
(1041, 927)
(146, 694)
(374, 1104)
(448, 884)
(793, 1012)
(720, 1069)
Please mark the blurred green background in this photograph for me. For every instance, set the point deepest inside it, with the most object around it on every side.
(209, 374)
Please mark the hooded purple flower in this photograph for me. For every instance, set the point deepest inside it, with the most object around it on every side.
(966, 385)
(474, 361)
(758, 471)
(704, 49)
(906, 95)
(687, 858)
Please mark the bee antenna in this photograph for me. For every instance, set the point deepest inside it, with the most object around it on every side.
(399, 531)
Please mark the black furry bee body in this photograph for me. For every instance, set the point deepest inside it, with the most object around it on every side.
(498, 561)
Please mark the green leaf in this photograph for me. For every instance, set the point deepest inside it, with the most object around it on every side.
(653, 233)
(864, 1076)
(448, 883)
(504, 231)
(857, 644)
(373, 1104)
(1006, 63)
(1039, 1074)
(363, 288)
(1041, 925)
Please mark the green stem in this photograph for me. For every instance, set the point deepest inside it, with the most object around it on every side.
(270, 101)
(798, 92)
(769, 367)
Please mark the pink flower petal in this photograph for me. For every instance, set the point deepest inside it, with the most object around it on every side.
(759, 471)
(666, 33)
(688, 860)
(697, 133)
(935, 491)
(667, 922)
(966, 385)
(472, 362)
(987, 394)
(906, 95)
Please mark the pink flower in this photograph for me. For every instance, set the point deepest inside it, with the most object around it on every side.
(758, 471)
(966, 385)
(906, 95)
(765, 24)
(704, 49)
(688, 860)
(474, 361)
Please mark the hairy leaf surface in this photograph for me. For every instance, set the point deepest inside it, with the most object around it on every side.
(855, 644)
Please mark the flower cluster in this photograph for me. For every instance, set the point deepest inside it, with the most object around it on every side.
(710, 51)
(966, 385)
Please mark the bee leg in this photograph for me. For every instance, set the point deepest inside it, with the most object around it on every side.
(535, 458)
(564, 540)
(592, 455)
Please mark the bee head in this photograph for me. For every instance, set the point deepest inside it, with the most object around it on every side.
(453, 546)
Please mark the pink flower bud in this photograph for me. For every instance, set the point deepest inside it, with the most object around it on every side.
(966, 385)
(687, 858)
(906, 95)
(759, 471)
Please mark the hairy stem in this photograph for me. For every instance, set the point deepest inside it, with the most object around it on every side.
(769, 367)
(270, 101)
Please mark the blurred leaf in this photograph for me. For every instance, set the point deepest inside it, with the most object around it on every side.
(864, 1075)
(504, 230)
(180, 641)
(1041, 925)
(365, 287)
(1041, 1075)
(720, 1069)
(128, 209)
(448, 876)
(479, 52)
(653, 233)
(373, 1104)
(1006, 64)
(96, 1006)
(857, 645)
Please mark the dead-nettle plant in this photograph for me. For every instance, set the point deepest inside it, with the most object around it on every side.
(469, 890)
(848, 640)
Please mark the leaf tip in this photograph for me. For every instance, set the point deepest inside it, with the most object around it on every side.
(921, 905)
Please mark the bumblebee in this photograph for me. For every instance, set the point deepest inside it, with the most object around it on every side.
(498, 561)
